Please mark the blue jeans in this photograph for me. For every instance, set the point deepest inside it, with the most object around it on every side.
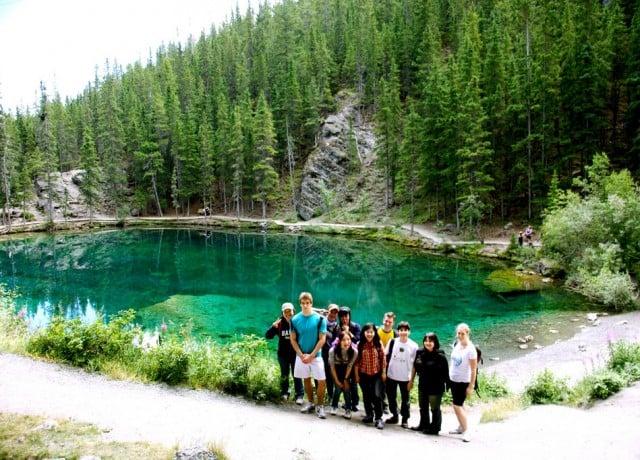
(286, 369)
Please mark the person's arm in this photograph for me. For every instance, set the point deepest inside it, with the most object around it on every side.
(413, 376)
(322, 337)
(384, 365)
(273, 330)
(473, 363)
(294, 343)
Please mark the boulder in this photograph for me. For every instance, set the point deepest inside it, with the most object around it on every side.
(509, 282)
(195, 453)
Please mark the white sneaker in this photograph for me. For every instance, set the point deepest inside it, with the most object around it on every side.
(347, 414)
(456, 431)
(333, 410)
(466, 437)
(307, 407)
(320, 412)
(299, 401)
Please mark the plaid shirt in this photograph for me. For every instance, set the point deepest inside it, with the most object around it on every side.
(372, 360)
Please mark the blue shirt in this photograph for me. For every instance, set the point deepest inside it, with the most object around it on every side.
(307, 330)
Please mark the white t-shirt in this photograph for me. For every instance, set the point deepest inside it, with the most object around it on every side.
(401, 360)
(460, 369)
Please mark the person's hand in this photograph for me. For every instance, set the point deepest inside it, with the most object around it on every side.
(409, 385)
(276, 323)
(469, 391)
(346, 385)
(306, 358)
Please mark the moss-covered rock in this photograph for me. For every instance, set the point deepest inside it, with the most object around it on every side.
(509, 281)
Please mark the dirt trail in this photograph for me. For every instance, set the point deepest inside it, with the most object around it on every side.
(157, 413)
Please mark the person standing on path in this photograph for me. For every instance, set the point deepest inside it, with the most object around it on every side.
(433, 370)
(462, 373)
(308, 335)
(401, 353)
(286, 355)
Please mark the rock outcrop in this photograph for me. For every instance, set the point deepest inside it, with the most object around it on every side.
(345, 147)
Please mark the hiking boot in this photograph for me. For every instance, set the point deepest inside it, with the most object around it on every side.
(347, 414)
(333, 410)
(320, 412)
(368, 419)
(379, 424)
(466, 437)
(417, 428)
(393, 419)
(456, 431)
(307, 407)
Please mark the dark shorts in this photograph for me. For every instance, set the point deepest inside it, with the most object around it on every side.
(459, 392)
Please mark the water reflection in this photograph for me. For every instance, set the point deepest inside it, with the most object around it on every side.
(225, 284)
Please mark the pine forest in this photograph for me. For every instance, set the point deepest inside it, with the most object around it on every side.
(480, 107)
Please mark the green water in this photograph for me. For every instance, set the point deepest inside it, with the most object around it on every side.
(226, 284)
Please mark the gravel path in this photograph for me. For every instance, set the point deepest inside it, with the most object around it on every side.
(132, 411)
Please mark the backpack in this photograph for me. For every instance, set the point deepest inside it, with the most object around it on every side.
(476, 387)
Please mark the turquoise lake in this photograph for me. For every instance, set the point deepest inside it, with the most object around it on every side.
(228, 284)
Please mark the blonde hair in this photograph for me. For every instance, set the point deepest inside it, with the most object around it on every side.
(463, 327)
(305, 295)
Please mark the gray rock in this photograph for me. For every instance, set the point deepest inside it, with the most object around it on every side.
(195, 453)
(345, 144)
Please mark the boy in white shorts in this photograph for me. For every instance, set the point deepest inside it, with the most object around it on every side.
(308, 334)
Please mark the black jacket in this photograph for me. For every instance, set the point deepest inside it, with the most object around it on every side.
(283, 332)
(433, 371)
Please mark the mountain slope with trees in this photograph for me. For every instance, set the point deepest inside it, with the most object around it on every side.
(477, 105)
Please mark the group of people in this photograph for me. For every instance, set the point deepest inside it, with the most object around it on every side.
(526, 234)
(328, 353)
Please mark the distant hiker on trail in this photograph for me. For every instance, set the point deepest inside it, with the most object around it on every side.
(528, 234)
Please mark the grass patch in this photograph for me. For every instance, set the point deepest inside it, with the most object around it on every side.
(501, 408)
(34, 437)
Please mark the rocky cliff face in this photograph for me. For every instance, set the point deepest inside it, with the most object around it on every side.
(344, 150)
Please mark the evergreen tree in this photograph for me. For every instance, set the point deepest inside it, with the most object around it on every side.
(389, 132)
(265, 176)
(90, 185)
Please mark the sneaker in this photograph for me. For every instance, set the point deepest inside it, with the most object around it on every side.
(404, 424)
(299, 401)
(333, 410)
(466, 437)
(320, 412)
(284, 397)
(354, 409)
(307, 407)
(393, 419)
(379, 424)
(417, 428)
(347, 414)
(367, 419)
(456, 431)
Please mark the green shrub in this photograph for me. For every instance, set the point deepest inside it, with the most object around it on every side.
(546, 388)
(624, 358)
(492, 386)
(13, 328)
(604, 383)
(85, 345)
(168, 363)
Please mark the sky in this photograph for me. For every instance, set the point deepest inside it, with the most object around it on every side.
(62, 42)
